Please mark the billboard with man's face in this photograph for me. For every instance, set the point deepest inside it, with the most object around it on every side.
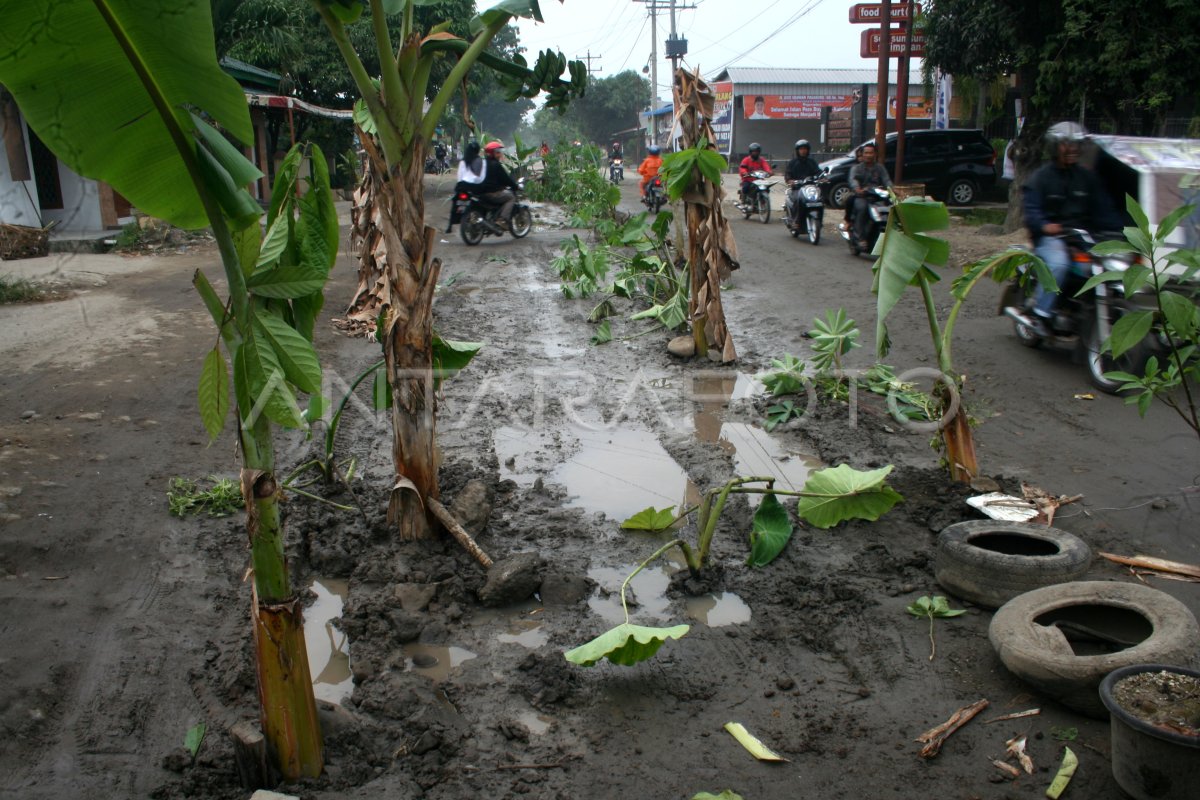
(808, 106)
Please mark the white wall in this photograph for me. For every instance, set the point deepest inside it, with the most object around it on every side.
(16, 208)
(81, 204)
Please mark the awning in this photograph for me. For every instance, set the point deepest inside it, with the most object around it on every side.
(669, 108)
(281, 101)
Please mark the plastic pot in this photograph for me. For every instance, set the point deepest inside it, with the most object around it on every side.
(1150, 763)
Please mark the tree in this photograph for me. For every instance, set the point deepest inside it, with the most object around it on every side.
(396, 294)
(611, 104)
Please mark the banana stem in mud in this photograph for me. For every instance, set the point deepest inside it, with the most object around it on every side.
(643, 565)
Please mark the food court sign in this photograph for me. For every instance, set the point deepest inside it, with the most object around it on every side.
(872, 13)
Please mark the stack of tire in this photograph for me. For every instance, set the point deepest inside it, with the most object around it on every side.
(1031, 573)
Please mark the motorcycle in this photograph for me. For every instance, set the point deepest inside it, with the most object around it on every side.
(616, 170)
(478, 217)
(756, 196)
(436, 165)
(655, 197)
(1083, 323)
(803, 210)
(880, 205)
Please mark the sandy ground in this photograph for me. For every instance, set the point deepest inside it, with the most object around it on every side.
(124, 626)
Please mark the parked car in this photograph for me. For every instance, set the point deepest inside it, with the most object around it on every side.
(955, 165)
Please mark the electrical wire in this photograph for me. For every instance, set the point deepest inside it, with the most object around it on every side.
(787, 24)
(636, 39)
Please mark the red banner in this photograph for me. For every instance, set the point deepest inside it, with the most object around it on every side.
(871, 39)
(873, 12)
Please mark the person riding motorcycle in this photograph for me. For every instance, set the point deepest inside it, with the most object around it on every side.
(649, 167)
(498, 188)
(615, 151)
(799, 168)
(471, 172)
(754, 162)
(1060, 195)
(864, 176)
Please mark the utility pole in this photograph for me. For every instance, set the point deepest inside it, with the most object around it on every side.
(885, 49)
(588, 58)
(676, 49)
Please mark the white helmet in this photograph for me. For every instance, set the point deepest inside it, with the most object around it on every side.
(1065, 132)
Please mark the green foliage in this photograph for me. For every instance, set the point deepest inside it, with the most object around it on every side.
(624, 645)
(684, 170)
(611, 103)
(785, 377)
(221, 499)
(580, 268)
(572, 178)
(450, 357)
(832, 338)
(771, 530)
(20, 290)
(1064, 734)
(650, 519)
(834, 495)
(1168, 279)
(931, 608)
(194, 738)
(780, 414)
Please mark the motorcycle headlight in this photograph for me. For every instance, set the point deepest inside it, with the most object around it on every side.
(810, 192)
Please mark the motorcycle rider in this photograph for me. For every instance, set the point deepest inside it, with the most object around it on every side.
(615, 151)
(799, 168)
(866, 175)
(1060, 195)
(498, 188)
(649, 167)
(754, 162)
(471, 173)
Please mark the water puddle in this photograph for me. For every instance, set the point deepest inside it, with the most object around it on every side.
(718, 610)
(328, 648)
(434, 661)
(535, 722)
(527, 633)
(649, 589)
(756, 452)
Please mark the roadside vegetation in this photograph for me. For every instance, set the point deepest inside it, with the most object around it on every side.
(23, 290)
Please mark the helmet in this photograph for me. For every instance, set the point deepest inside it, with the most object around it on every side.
(492, 147)
(654, 149)
(801, 143)
(755, 146)
(1065, 132)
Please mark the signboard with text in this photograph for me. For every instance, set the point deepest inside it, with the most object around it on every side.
(873, 12)
(808, 106)
(871, 39)
(722, 118)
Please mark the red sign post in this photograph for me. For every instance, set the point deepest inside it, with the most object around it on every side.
(872, 13)
(869, 43)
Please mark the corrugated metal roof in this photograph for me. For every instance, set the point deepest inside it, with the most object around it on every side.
(804, 76)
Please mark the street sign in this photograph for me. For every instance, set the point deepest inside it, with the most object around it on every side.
(871, 12)
(871, 39)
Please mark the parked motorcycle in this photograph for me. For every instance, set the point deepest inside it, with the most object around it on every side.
(654, 198)
(616, 170)
(756, 197)
(880, 205)
(479, 217)
(1083, 323)
(803, 210)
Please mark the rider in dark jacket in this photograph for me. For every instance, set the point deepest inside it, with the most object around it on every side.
(802, 166)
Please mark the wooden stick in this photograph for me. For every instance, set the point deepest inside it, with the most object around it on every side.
(1033, 712)
(934, 738)
(1160, 564)
(457, 531)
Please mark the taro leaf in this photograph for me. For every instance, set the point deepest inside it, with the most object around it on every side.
(625, 644)
(603, 333)
(214, 393)
(749, 741)
(450, 357)
(728, 794)
(770, 532)
(650, 519)
(841, 493)
(194, 738)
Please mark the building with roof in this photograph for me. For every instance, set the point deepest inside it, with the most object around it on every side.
(777, 106)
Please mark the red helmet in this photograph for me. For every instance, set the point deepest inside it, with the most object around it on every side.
(492, 147)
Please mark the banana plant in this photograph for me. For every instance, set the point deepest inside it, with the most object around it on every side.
(906, 257)
(397, 271)
(96, 82)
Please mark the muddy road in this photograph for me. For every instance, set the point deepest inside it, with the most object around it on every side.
(124, 626)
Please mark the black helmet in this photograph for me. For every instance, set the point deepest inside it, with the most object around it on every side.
(801, 143)
(755, 146)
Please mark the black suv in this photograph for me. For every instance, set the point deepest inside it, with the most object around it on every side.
(955, 165)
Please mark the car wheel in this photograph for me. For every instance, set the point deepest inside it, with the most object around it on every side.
(962, 192)
(471, 228)
(520, 223)
(989, 563)
(839, 195)
(1064, 639)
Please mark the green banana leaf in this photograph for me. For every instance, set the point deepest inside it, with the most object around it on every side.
(625, 644)
(904, 253)
(109, 85)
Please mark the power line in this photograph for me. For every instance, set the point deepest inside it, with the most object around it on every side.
(787, 24)
(636, 39)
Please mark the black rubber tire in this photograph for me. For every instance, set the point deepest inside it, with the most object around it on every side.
(839, 193)
(471, 228)
(1041, 656)
(1132, 361)
(814, 230)
(962, 192)
(971, 570)
(762, 207)
(521, 222)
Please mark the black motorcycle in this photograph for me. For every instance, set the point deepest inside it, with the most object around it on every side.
(803, 211)
(1083, 323)
(655, 197)
(478, 217)
(880, 206)
(616, 170)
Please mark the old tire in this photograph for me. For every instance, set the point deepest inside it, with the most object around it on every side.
(989, 563)
(1027, 636)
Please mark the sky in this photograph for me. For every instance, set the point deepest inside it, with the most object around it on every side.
(720, 33)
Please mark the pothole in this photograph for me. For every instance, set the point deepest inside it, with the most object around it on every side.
(649, 592)
(328, 648)
(535, 722)
(434, 661)
(756, 452)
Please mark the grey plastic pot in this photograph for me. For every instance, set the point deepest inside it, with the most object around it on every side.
(1150, 763)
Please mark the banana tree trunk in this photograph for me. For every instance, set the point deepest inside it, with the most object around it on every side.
(289, 711)
(959, 441)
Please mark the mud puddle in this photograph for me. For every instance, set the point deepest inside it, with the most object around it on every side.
(328, 648)
(435, 661)
(648, 599)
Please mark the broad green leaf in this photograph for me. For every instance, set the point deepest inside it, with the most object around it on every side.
(503, 11)
(728, 794)
(650, 519)
(316, 408)
(841, 493)
(283, 190)
(711, 165)
(1171, 221)
(305, 311)
(381, 391)
(921, 607)
(770, 531)
(1129, 330)
(241, 170)
(1113, 247)
(260, 384)
(318, 226)
(603, 334)
(450, 357)
(937, 251)
(87, 74)
(1181, 313)
(363, 117)
(918, 215)
(1136, 213)
(625, 644)
(286, 282)
(247, 241)
(941, 607)
(901, 257)
(294, 353)
(752, 744)
(236, 203)
(1135, 277)
(214, 393)
(194, 738)
(275, 242)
